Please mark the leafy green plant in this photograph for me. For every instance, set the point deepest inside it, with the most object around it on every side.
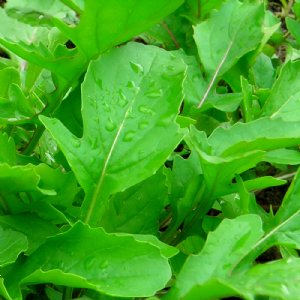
(139, 141)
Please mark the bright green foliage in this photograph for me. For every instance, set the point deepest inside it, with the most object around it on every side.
(122, 115)
(149, 149)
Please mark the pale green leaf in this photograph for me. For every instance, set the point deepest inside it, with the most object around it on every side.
(131, 98)
(226, 36)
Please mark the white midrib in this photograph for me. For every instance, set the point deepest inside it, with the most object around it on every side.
(105, 165)
(217, 71)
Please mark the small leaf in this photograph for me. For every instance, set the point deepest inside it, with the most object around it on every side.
(226, 36)
(285, 87)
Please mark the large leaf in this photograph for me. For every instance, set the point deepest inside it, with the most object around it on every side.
(226, 36)
(90, 258)
(222, 250)
(130, 101)
(279, 279)
(112, 22)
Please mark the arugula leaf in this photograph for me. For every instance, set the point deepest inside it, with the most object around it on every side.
(226, 36)
(90, 258)
(114, 22)
(285, 88)
(129, 101)
(129, 210)
(12, 243)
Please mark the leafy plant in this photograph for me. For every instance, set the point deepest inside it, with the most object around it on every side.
(149, 150)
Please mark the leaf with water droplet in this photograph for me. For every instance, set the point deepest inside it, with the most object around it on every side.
(103, 262)
(128, 136)
(125, 130)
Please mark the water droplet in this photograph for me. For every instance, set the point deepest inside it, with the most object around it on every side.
(110, 125)
(137, 68)
(103, 264)
(122, 99)
(145, 110)
(154, 93)
(143, 124)
(106, 107)
(89, 263)
(129, 136)
(131, 84)
(76, 143)
(99, 83)
(164, 121)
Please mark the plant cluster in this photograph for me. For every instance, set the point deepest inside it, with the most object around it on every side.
(149, 149)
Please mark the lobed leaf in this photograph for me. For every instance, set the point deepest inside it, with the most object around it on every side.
(90, 258)
(131, 98)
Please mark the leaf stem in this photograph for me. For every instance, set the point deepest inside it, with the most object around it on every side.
(171, 34)
(34, 140)
(73, 6)
(68, 293)
(198, 9)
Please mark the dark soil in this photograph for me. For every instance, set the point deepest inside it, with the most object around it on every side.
(271, 197)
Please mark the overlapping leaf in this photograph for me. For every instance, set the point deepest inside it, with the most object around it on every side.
(113, 22)
(90, 258)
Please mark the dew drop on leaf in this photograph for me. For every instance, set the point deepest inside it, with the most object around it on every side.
(129, 136)
(137, 68)
(110, 125)
(89, 263)
(154, 93)
(145, 110)
(143, 124)
(76, 143)
(122, 99)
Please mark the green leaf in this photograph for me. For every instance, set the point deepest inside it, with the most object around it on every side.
(90, 258)
(223, 248)
(131, 98)
(7, 146)
(293, 27)
(226, 36)
(261, 134)
(30, 225)
(128, 210)
(283, 156)
(278, 279)
(285, 87)
(114, 22)
(263, 72)
(12, 243)
(21, 178)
